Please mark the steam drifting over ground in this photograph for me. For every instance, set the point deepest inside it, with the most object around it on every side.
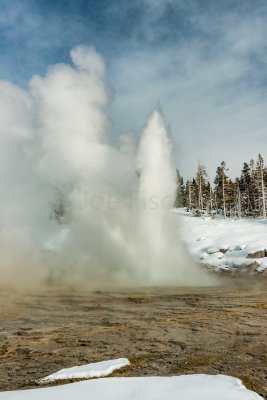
(76, 210)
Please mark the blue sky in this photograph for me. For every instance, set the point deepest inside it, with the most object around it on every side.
(205, 61)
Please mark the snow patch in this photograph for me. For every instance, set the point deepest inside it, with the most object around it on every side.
(184, 387)
(263, 265)
(227, 242)
(94, 370)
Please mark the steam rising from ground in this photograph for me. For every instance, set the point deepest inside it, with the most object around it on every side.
(76, 210)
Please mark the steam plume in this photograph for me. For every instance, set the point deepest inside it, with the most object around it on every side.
(76, 210)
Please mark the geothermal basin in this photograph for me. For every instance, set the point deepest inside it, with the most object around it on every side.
(214, 330)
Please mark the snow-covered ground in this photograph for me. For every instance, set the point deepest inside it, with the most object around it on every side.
(228, 244)
(184, 387)
(94, 370)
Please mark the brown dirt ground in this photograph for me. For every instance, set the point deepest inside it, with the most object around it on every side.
(218, 330)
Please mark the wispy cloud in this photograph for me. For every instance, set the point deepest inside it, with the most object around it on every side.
(212, 87)
(205, 62)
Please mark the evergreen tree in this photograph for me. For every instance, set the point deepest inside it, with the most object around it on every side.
(220, 182)
(188, 194)
(58, 207)
(254, 195)
(209, 199)
(231, 198)
(180, 197)
(245, 185)
(262, 195)
(194, 194)
(202, 186)
(246, 195)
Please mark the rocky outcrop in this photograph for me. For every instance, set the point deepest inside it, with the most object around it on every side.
(258, 254)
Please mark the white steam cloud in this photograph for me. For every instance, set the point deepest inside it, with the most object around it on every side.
(76, 210)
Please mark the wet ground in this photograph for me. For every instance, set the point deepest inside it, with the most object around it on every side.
(162, 332)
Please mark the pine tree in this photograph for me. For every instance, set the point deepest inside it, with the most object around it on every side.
(239, 205)
(58, 208)
(246, 195)
(180, 199)
(261, 186)
(245, 183)
(202, 184)
(209, 199)
(231, 198)
(253, 191)
(194, 194)
(188, 194)
(221, 181)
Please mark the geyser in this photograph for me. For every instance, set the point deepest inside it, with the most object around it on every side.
(76, 210)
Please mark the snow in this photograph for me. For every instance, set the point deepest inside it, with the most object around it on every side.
(225, 244)
(184, 387)
(94, 370)
(263, 265)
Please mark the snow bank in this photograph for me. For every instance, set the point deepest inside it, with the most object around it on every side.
(226, 244)
(94, 370)
(185, 387)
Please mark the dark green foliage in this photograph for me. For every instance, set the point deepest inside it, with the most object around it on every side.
(244, 196)
(180, 199)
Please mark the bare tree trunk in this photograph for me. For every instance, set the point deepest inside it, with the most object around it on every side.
(200, 200)
(263, 192)
(211, 202)
(223, 194)
(239, 202)
(189, 195)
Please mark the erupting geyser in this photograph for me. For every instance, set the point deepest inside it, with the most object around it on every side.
(76, 210)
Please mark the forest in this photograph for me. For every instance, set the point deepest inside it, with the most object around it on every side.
(244, 196)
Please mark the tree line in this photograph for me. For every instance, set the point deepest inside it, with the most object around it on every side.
(246, 195)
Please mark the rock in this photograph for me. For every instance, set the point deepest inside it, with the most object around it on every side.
(258, 254)
(212, 250)
(251, 268)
